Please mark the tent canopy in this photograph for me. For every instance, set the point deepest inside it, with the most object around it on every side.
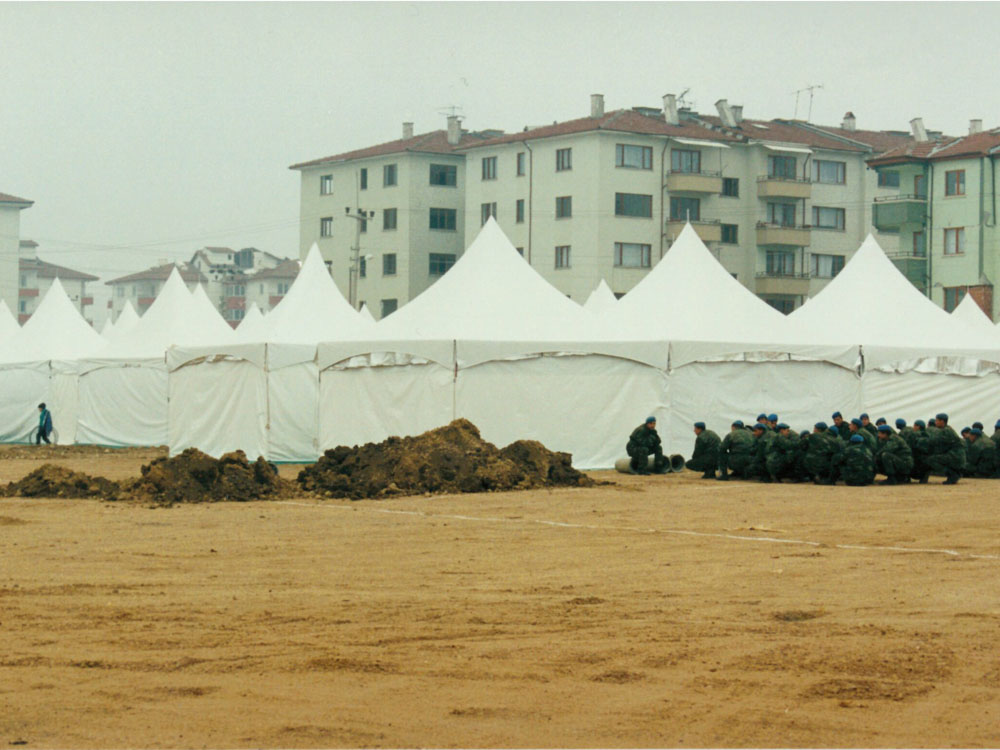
(971, 316)
(601, 299)
(252, 326)
(55, 331)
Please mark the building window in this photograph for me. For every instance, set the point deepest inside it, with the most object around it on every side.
(828, 218)
(780, 263)
(730, 234)
(24, 281)
(440, 263)
(564, 207)
(326, 184)
(236, 290)
(632, 255)
(888, 179)
(364, 178)
(520, 251)
(388, 307)
(562, 256)
(22, 306)
(519, 211)
(326, 226)
(781, 167)
(444, 174)
(564, 159)
(119, 291)
(633, 157)
(283, 287)
(520, 164)
(486, 210)
(388, 218)
(831, 172)
(782, 214)
(919, 186)
(685, 161)
(364, 226)
(363, 268)
(389, 264)
(783, 305)
(685, 209)
(919, 245)
(388, 175)
(952, 296)
(827, 266)
(954, 241)
(443, 219)
(489, 168)
(954, 182)
(731, 187)
(633, 204)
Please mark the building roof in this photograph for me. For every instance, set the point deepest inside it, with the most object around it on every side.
(287, 269)
(784, 131)
(619, 120)
(879, 140)
(435, 142)
(161, 273)
(6, 198)
(29, 243)
(977, 144)
(52, 271)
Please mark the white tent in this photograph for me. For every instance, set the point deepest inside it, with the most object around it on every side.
(36, 364)
(261, 395)
(601, 299)
(108, 329)
(123, 388)
(970, 315)
(366, 313)
(251, 328)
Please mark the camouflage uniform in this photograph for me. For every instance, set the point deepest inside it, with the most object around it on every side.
(642, 443)
(894, 459)
(736, 454)
(945, 453)
(982, 458)
(706, 453)
(856, 465)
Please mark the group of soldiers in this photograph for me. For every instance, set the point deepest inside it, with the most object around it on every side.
(850, 451)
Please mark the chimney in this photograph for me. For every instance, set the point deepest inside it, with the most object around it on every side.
(737, 112)
(597, 105)
(975, 126)
(407, 130)
(670, 110)
(849, 122)
(454, 130)
(919, 131)
(725, 113)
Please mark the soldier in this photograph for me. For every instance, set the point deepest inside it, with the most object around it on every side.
(772, 422)
(858, 428)
(840, 424)
(762, 437)
(944, 452)
(866, 424)
(821, 446)
(982, 456)
(856, 465)
(735, 453)
(879, 422)
(706, 451)
(966, 431)
(643, 443)
(917, 440)
(995, 437)
(894, 457)
(781, 454)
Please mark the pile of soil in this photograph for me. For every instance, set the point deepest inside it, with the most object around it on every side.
(49, 480)
(449, 459)
(194, 477)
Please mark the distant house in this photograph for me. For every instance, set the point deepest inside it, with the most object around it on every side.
(267, 287)
(141, 288)
(35, 278)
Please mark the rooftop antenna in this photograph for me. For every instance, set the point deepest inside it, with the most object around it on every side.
(683, 102)
(811, 88)
(451, 110)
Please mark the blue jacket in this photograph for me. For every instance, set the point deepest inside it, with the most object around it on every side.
(45, 422)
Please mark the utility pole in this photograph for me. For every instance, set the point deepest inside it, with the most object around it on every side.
(359, 215)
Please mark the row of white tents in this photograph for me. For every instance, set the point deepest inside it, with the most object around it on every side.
(493, 342)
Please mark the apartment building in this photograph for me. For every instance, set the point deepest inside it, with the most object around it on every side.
(36, 276)
(10, 247)
(389, 220)
(268, 287)
(783, 204)
(141, 288)
(228, 273)
(944, 208)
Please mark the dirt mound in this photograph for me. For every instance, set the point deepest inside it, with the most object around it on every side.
(194, 477)
(453, 458)
(49, 480)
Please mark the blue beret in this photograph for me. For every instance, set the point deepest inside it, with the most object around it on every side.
(942, 416)
(966, 429)
(782, 426)
(864, 416)
(772, 417)
(976, 431)
(856, 422)
(834, 430)
(880, 421)
(900, 423)
(919, 423)
(857, 439)
(700, 424)
(762, 417)
(997, 424)
(820, 426)
(804, 433)
(760, 426)
(650, 419)
(977, 425)
(738, 423)
(836, 414)
(884, 428)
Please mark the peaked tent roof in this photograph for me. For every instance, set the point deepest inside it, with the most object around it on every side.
(601, 299)
(491, 293)
(213, 325)
(127, 320)
(56, 330)
(971, 315)
(108, 329)
(252, 326)
(365, 313)
(8, 323)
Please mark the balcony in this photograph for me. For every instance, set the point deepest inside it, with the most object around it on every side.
(891, 212)
(783, 187)
(694, 182)
(778, 234)
(708, 230)
(913, 265)
(774, 282)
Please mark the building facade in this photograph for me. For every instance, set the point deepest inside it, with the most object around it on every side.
(10, 248)
(268, 287)
(36, 276)
(142, 288)
(228, 273)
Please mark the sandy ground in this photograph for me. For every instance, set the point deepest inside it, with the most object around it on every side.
(661, 611)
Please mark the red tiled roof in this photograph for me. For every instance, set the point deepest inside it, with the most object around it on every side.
(913, 151)
(619, 120)
(287, 269)
(879, 140)
(784, 131)
(5, 198)
(161, 273)
(51, 270)
(435, 142)
(978, 144)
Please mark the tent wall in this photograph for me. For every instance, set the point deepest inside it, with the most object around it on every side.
(293, 397)
(915, 395)
(63, 403)
(23, 388)
(123, 406)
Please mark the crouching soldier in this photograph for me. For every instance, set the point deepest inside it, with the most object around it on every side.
(762, 439)
(821, 445)
(643, 443)
(982, 456)
(855, 464)
(782, 454)
(735, 453)
(894, 457)
(706, 451)
(945, 452)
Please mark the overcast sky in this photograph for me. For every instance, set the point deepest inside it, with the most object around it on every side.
(145, 131)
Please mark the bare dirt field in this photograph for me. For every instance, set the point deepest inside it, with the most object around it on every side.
(661, 611)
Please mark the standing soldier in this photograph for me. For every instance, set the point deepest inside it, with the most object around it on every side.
(982, 456)
(944, 451)
(894, 457)
(643, 443)
(706, 451)
(735, 453)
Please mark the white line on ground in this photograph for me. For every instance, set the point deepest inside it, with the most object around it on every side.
(637, 529)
